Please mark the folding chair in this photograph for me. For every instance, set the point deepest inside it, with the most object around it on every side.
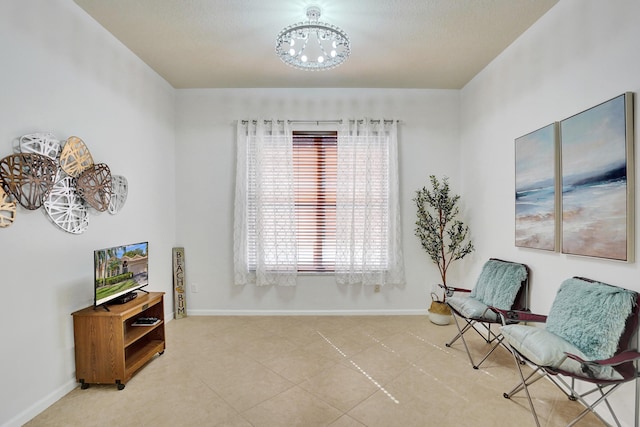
(501, 284)
(587, 337)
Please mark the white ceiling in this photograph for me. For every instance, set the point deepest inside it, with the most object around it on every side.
(437, 44)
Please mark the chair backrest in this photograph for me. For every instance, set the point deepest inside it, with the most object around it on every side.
(631, 327)
(502, 284)
(597, 318)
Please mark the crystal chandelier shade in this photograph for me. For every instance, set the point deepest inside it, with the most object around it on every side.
(313, 45)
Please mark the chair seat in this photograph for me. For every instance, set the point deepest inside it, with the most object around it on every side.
(547, 349)
(471, 308)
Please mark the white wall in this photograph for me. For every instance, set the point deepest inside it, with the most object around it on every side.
(62, 72)
(205, 158)
(581, 53)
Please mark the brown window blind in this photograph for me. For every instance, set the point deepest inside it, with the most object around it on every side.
(315, 176)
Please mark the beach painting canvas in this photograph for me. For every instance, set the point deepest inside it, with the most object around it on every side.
(536, 189)
(597, 181)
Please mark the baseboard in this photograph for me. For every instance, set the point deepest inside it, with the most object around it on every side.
(307, 312)
(42, 404)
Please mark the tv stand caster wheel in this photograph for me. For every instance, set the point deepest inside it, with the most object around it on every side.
(120, 385)
(83, 385)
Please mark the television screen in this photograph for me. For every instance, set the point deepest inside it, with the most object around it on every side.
(120, 270)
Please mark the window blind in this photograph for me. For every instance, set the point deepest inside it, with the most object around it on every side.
(315, 181)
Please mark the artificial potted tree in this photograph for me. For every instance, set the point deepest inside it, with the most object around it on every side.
(443, 236)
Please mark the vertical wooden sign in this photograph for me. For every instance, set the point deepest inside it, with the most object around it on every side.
(179, 284)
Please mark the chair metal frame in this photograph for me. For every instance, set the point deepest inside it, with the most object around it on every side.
(625, 362)
(482, 325)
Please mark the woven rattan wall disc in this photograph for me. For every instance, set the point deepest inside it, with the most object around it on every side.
(119, 191)
(94, 186)
(65, 207)
(75, 157)
(28, 177)
(40, 143)
(7, 209)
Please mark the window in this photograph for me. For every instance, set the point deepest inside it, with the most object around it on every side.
(317, 201)
(315, 177)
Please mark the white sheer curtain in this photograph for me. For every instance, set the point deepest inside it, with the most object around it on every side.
(368, 235)
(265, 251)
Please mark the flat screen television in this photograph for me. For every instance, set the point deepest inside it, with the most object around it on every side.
(119, 271)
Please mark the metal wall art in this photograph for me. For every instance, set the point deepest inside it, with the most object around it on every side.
(40, 143)
(94, 186)
(28, 177)
(7, 209)
(65, 208)
(62, 177)
(119, 192)
(75, 157)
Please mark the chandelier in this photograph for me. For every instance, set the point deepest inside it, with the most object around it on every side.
(313, 45)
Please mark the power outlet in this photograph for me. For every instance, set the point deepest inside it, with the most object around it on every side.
(195, 288)
(376, 288)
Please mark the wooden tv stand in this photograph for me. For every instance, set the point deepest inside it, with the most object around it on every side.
(108, 348)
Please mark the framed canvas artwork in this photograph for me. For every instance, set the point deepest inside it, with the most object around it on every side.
(536, 189)
(598, 181)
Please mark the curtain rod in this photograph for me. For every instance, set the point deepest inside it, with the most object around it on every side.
(317, 122)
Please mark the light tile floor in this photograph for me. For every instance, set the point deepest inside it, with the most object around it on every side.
(313, 371)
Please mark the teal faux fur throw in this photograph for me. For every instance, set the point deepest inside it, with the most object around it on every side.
(499, 283)
(591, 316)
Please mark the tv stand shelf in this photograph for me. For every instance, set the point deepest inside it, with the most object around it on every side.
(108, 348)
